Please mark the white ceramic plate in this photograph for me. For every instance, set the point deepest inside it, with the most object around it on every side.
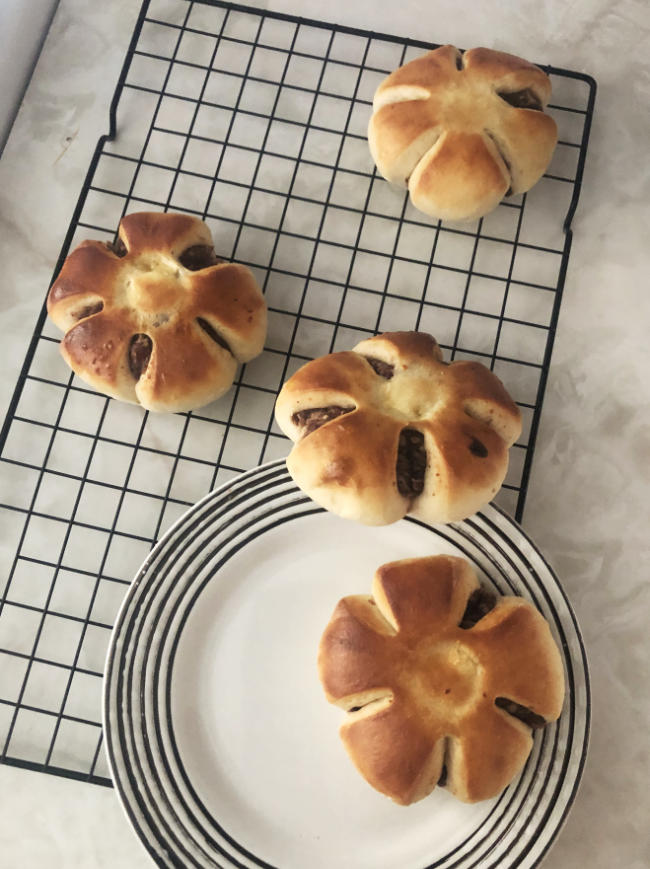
(222, 746)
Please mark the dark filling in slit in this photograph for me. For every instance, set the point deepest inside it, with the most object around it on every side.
(411, 463)
(478, 449)
(523, 713)
(459, 61)
(199, 256)
(212, 332)
(88, 310)
(444, 770)
(117, 247)
(481, 601)
(139, 354)
(309, 420)
(524, 99)
(383, 369)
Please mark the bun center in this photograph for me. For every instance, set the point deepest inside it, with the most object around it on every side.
(412, 400)
(447, 679)
(154, 285)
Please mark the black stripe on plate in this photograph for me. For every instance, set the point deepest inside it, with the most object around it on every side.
(235, 545)
(223, 499)
(156, 578)
(131, 717)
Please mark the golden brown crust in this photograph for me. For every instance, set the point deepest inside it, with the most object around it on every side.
(508, 72)
(153, 231)
(460, 167)
(421, 691)
(200, 319)
(441, 127)
(86, 269)
(106, 363)
(438, 65)
(464, 416)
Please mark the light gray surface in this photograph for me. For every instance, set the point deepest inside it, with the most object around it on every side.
(23, 28)
(588, 499)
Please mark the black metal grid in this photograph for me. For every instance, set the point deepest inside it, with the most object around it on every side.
(256, 122)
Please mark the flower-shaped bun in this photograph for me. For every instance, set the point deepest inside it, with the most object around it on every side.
(442, 680)
(462, 131)
(157, 318)
(388, 429)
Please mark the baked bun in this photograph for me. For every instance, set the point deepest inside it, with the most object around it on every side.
(462, 131)
(157, 318)
(443, 681)
(388, 429)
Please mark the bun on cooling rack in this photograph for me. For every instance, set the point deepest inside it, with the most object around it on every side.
(157, 318)
(443, 681)
(388, 429)
(462, 131)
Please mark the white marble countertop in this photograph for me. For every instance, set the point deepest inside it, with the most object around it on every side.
(588, 497)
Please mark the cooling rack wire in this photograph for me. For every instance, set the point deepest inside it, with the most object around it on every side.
(256, 122)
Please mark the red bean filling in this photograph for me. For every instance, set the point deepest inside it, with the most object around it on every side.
(117, 247)
(524, 99)
(309, 420)
(523, 713)
(139, 354)
(411, 462)
(88, 310)
(199, 256)
(478, 449)
(383, 369)
(212, 332)
(480, 602)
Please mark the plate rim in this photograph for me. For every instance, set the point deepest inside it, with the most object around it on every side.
(271, 468)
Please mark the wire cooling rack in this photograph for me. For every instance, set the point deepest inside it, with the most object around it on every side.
(256, 122)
